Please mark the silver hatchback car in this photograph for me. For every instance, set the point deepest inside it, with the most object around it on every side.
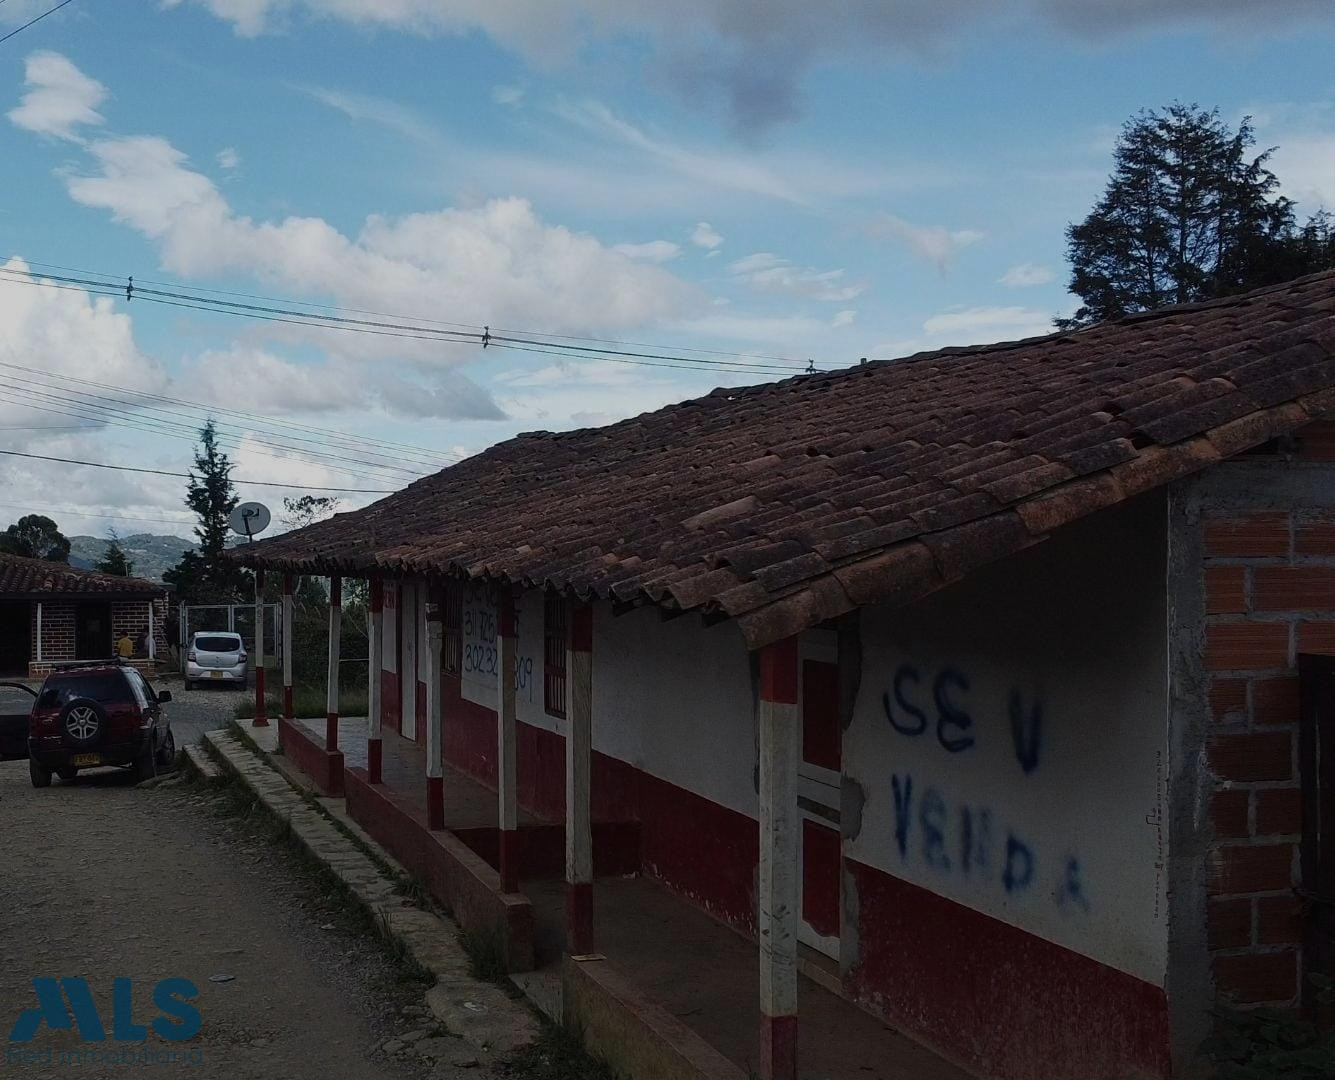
(215, 657)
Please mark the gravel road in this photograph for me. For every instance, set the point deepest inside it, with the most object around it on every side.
(104, 879)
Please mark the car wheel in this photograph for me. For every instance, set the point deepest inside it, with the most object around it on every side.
(167, 752)
(67, 772)
(41, 776)
(82, 722)
(146, 764)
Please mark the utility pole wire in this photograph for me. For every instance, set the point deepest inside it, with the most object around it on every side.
(31, 22)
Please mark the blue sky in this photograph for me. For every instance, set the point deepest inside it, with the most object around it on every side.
(777, 178)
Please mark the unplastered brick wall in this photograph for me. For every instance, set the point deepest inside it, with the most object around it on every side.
(57, 631)
(131, 617)
(1269, 595)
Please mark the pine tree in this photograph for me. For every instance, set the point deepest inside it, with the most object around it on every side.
(114, 560)
(202, 576)
(1188, 214)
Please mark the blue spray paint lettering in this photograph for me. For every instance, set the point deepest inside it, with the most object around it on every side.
(949, 716)
(932, 818)
(905, 673)
(903, 800)
(1026, 731)
(975, 839)
(1019, 872)
(1071, 891)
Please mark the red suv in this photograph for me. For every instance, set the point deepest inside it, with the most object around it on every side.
(93, 714)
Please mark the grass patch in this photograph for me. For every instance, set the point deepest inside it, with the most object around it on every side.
(557, 1054)
(486, 957)
(308, 703)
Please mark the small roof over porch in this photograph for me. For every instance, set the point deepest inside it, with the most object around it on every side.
(36, 579)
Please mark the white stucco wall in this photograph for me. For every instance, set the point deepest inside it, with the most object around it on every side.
(1009, 740)
(672, 698)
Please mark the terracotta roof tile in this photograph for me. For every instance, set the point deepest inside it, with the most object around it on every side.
(33, 579)
(787, 503)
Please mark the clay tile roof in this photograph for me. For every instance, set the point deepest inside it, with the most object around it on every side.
(34, 579)
(785, 504)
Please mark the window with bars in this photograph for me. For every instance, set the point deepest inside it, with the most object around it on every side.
(452, 646)
(555, 640)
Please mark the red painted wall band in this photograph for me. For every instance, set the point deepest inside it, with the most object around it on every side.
(579, 918)
(581, 627)
(778, 1047)
(435, 802)
(509, 860)
(335, 591)
(377, 595)
(778, 672)
(373, 760)
(287, 584)
(508, 621)
(287, 703)
(331, 731)
(261, 705)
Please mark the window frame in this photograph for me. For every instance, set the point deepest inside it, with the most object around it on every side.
(451, 621)
(555, 654)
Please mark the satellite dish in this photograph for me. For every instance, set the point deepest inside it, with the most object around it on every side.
(249, 519)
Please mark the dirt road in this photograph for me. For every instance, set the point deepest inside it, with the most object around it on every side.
(102, 879)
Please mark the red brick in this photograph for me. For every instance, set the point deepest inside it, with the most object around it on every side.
(1316, 637)
(1279, 920)
(1228, 697)
(1242, 646)
(1228, 814)
(1292, 588)
(1229, 924)
(1316, 442)
(1316, 537)
(1257, 977)
(1252, 755)
(1244, 535)
(1251, 868)
(1275, 701)
(1279, 811)
(1225, 591)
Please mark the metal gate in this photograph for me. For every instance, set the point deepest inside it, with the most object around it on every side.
(232, 618)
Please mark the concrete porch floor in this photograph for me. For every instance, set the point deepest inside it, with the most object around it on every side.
(468, 803)
(705, 974)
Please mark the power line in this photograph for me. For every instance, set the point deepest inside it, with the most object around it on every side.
(186, 476)
(31, 22)
(409, 330)
(66, 511)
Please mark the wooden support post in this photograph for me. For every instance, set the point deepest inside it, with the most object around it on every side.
(435, 781)
(579, 761)
(261, 704)
(39, 631)
(335, 630)
(287, 647)
(780, 896)
(373, 679)
(507, 743)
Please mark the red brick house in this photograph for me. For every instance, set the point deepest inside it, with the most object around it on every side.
(988, 690)
(51, 612)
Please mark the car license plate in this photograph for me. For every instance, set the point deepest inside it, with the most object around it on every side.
(215, 674)
(87, 759)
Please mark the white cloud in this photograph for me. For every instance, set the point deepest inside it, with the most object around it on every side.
(59, 99)
(378, 110)
(653, 251)
(766, 272)
(983, 325)
(934, 243)
(704, 235)
(755, 57)
(1024, 275)
(843, 318)
(507, 95)
(228, 158)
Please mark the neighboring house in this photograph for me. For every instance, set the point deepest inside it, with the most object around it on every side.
(969, 683)
(50, 612)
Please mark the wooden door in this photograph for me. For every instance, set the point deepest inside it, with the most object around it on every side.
(1317, 767)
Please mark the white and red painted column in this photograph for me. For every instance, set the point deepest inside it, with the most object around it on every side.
(287, 647)
(151, 642)
(261, 705)
(780, 900)
(373, 678)
(579, 764)
(435, 779)
(335, 633)
(507, 744)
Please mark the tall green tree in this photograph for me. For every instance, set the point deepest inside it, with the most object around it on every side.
(1190, 213)
(35, 537)
(114, 560)
(202, 576)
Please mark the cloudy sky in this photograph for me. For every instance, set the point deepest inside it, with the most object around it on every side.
(765, 177)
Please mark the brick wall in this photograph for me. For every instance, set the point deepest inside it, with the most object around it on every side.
(58, 624)
(1269, 594)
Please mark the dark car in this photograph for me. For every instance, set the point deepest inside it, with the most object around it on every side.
(94, 714)
(16, 700)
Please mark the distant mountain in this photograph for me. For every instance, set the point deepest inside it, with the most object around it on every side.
(150, 554)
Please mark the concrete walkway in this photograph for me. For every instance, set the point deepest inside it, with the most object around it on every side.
(480, 1013)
